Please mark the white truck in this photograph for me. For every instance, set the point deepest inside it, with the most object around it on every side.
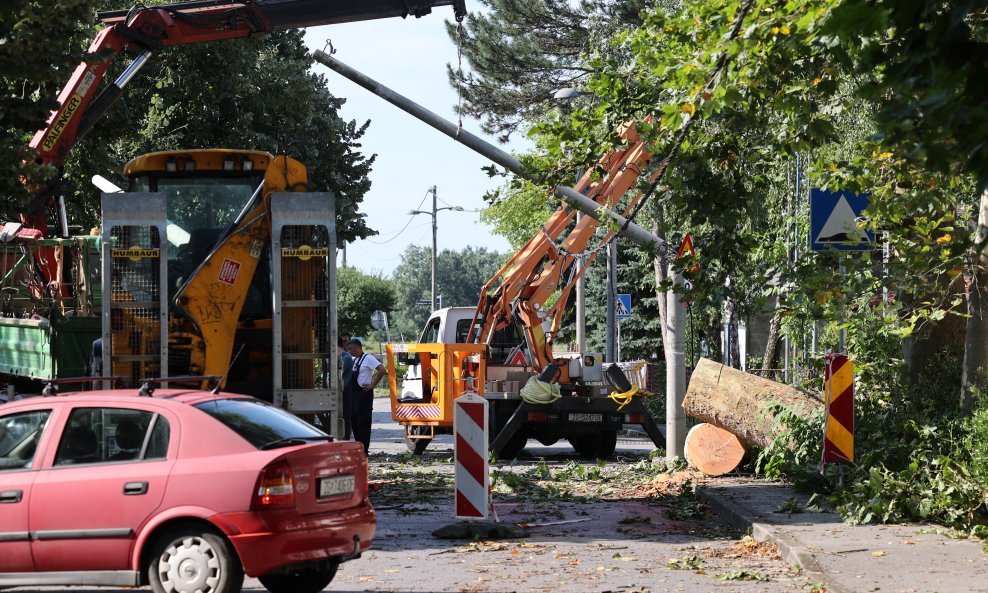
(583, 412)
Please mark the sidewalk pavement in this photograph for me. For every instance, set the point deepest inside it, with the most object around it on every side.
(850, 558)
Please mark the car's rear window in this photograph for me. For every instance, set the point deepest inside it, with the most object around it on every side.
(259, 422)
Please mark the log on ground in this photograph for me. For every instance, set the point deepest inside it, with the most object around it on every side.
(713, 450)
(743, 404)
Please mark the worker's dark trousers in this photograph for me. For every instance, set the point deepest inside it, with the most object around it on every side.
(347, 413)
(361, 408)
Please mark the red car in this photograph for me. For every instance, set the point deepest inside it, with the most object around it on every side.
(184, 491)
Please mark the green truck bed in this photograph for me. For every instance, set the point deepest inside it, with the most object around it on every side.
(41, 350)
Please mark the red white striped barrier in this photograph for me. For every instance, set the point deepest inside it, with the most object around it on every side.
(470, 455)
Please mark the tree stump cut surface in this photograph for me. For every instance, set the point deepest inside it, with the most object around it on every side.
(712, 450)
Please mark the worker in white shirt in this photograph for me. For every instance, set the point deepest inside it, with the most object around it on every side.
(367, 373)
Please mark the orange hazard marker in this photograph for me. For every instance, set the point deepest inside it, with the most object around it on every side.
(838, 427)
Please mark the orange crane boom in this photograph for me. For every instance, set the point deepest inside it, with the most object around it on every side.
(544, 266)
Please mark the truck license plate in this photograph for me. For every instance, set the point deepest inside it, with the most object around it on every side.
(585, 417)
(336, 486)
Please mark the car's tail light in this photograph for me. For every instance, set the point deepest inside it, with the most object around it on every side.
(275, 488)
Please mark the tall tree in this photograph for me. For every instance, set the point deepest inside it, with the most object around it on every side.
(724, 78)
(521, 52)
(931, 61)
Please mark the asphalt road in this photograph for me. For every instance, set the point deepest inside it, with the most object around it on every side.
(631, 542)
(620, 545)
(388, 437)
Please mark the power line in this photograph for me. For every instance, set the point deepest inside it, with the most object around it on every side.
(397, 233)
(402, 230)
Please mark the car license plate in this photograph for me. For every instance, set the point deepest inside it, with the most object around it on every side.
(585, 417)
(336, 486)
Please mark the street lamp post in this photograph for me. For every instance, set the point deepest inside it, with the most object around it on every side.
(435, 255)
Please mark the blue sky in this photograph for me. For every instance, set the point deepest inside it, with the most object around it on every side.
(409, 56)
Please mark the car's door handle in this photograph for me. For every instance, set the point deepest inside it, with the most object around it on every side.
(135, 488)
(11, 496)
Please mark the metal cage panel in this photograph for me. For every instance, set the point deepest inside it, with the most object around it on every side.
(303, 237)
(135, 324)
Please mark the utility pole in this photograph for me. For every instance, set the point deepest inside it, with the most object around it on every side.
(581, 302)
(674, 343)
(435, 254)
(569, 195)
(435, 228)
(611, 296)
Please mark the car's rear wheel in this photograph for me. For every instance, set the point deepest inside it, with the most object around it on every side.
(190, 560)
(303, 581)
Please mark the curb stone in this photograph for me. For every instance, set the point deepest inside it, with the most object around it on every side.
(792, 551)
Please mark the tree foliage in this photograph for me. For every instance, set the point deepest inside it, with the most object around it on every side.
(459, 278)
(40, 45)
(358, 296)
(517, 213)
(521, 52)
(254, 93)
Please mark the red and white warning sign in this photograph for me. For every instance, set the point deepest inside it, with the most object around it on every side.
(229, 271)
(518, 358)
(686, 250)
(470, 454)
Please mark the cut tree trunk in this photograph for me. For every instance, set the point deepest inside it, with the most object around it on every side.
(742, 404)
(712, 450)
